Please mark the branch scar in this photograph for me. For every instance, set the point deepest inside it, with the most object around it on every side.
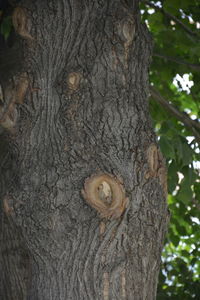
(106, 194)
(6, 207)
(19, 19)
(157, 167)
(73, 81)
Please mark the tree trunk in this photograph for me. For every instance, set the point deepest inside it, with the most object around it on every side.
(83, 183)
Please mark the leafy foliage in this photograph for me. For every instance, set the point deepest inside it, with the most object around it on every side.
(175, 73)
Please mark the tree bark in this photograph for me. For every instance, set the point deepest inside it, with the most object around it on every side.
(75, 122)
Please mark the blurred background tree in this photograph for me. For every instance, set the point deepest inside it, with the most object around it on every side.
(175, 110)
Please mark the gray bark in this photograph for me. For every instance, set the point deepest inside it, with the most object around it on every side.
(85, 111)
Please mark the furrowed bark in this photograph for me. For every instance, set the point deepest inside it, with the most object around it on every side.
(83, 111)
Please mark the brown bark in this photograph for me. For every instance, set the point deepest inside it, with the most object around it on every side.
(82, 78)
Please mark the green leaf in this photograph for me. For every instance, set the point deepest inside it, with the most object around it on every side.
(6, 27)
(185, 253)
(166, 147)
(172, 6)
(174, 239)
(181, 229)
(183, 151)
(185, 193)
(172, 176)
(186, 154)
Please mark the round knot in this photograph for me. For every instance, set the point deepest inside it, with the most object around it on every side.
(106, 194)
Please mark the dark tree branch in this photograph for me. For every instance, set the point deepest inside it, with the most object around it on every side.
(195, 67)
(192, 125)
(172, 17)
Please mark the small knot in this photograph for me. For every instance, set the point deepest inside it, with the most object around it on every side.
(106, 194)
(73, 81)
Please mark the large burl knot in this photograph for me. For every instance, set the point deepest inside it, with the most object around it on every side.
(106, 194)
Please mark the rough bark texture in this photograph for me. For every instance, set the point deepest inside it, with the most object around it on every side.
(76, 92)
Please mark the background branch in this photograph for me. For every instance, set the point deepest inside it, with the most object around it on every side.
(194, 126)
(195, 67)
(172, 17)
